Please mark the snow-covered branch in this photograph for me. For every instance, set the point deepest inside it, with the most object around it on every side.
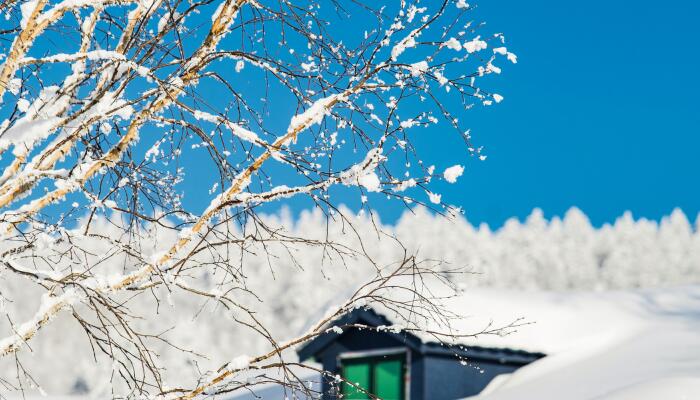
(142, 105)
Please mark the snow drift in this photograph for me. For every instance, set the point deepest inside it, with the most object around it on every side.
(641, 344)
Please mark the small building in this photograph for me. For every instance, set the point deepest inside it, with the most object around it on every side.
(402, 366)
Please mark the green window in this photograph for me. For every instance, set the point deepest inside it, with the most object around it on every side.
(358, 373)
(383, 376)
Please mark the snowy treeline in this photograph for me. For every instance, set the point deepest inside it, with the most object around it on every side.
(563, 253)
(560, 254)
(557, 254)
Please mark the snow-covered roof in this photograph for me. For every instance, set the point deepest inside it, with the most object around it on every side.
(418, 342)
(547, 322)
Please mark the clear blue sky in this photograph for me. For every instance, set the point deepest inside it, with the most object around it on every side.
(600, 112)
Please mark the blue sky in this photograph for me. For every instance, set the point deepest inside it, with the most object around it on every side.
(601, 112)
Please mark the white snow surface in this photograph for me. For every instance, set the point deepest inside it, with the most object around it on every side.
(615, 345)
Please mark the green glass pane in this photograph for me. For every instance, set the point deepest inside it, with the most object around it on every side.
(358, 373)
(388, 379)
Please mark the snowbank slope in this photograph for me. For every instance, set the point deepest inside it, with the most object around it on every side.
(608, 345)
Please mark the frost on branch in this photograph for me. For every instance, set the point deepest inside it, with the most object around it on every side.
(138, 148)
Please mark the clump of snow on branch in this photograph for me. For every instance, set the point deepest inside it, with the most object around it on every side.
(452, 173)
